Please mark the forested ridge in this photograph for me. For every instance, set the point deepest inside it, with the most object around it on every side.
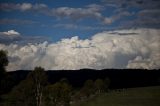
(121, 78)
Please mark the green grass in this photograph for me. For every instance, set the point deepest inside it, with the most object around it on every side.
(144, 96)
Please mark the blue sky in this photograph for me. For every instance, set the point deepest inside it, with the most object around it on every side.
(57, 19)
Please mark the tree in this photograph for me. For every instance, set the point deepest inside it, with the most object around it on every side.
(51, 94)
(39, 79)
(3, 63)
(28, 92)
(58, 94)
(99, 85)
(88, 88)
(107, 82)
(89, 84)
(22, 94)
(65, 92)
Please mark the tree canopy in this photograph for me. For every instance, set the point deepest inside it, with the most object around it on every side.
(3, 61)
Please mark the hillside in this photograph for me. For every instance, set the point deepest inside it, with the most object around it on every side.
(144, 96)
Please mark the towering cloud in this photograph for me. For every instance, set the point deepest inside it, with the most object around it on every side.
(134, 48)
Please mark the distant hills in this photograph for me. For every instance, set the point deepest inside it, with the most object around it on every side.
(120, 78)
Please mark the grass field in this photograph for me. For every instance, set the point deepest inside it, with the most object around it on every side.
(144, 96)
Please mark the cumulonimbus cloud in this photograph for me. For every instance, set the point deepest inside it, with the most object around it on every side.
(134, 48)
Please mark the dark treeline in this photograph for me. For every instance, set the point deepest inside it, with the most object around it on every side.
(120, 78)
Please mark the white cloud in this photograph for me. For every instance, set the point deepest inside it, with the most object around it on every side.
(77, 13)
(22, 6)
(12, 36)
(89, 11)
(11, 32)
(26, 6)
(134, 48)
(9, 36)
(107, 20)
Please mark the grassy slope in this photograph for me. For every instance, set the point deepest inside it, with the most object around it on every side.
(145, 96)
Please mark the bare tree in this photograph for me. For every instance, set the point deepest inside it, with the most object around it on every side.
(40, 80)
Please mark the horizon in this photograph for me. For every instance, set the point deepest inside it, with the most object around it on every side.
(85, 69)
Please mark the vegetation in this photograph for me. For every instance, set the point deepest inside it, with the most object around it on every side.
(3, 63)
(58, 94)
(99, 85)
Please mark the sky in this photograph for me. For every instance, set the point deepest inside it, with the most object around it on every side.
(73, 34)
